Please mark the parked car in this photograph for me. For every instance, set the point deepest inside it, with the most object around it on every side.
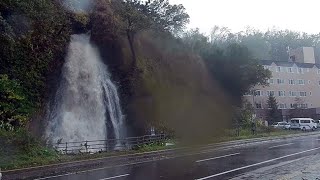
(281, 125)
(303, 124)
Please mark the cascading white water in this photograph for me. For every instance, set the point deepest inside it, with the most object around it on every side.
(86, 105)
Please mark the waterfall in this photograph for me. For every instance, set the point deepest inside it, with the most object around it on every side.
(86, 106)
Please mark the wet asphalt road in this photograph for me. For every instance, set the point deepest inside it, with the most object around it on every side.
(219, 164)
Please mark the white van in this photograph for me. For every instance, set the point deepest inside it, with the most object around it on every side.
(303, 124)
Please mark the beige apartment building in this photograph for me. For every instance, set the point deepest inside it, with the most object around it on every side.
(294, 83)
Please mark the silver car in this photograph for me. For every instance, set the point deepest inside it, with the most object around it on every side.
(281, 125)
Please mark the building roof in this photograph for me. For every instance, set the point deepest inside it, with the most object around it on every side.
(289, 64)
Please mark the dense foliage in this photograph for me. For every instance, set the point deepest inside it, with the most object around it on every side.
(157, 15)
(231, 65)
(14, 105)
(33, 36)
(270, 45)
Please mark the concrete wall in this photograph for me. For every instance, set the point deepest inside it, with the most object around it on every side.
(298, 55)
(302, 55)
(308, 53)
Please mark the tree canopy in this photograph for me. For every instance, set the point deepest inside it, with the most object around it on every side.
(231, 65)
(35, 33)
(269, 45)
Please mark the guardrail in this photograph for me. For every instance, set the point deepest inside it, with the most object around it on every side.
(107, 145)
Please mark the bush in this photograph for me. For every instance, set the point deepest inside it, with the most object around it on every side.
(15, 107)
(20, 149)
(151, 146)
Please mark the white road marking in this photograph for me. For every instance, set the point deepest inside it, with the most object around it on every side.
(219, 157)
(257, 164)
(280, 145)
(49, 177)
(114, 177)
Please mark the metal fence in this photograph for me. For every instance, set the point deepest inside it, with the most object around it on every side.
(108, 145)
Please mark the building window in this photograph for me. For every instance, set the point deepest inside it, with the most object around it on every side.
(305, 106)
(282, 93)
(278, 69)
(271, 81)
(280, 81)
(291, 82)
(290, 70)
(292, 106)
(292, 94)
(258, 105)
(270, 93)
(301, 82)
(282, 106)
(303, 94)
(300, 70)
(310, 93)
(258, 93)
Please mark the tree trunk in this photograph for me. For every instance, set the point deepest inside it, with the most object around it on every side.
(130, 37)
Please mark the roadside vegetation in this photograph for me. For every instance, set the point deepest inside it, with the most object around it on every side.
(20, 149)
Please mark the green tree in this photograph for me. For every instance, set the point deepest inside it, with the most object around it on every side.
(270, 45)
(196, 41)
(236, 70)
(255, 41)
(274, 114)
(172, 18)
(247, 112)
(133, 21)
(158, 15)
(222, 37)
(35, 35)
(232, 66)
(15, 107)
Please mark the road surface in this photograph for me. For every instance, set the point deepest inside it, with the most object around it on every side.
(208, 164)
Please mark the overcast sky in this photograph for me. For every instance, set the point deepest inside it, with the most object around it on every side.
(299, 15)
